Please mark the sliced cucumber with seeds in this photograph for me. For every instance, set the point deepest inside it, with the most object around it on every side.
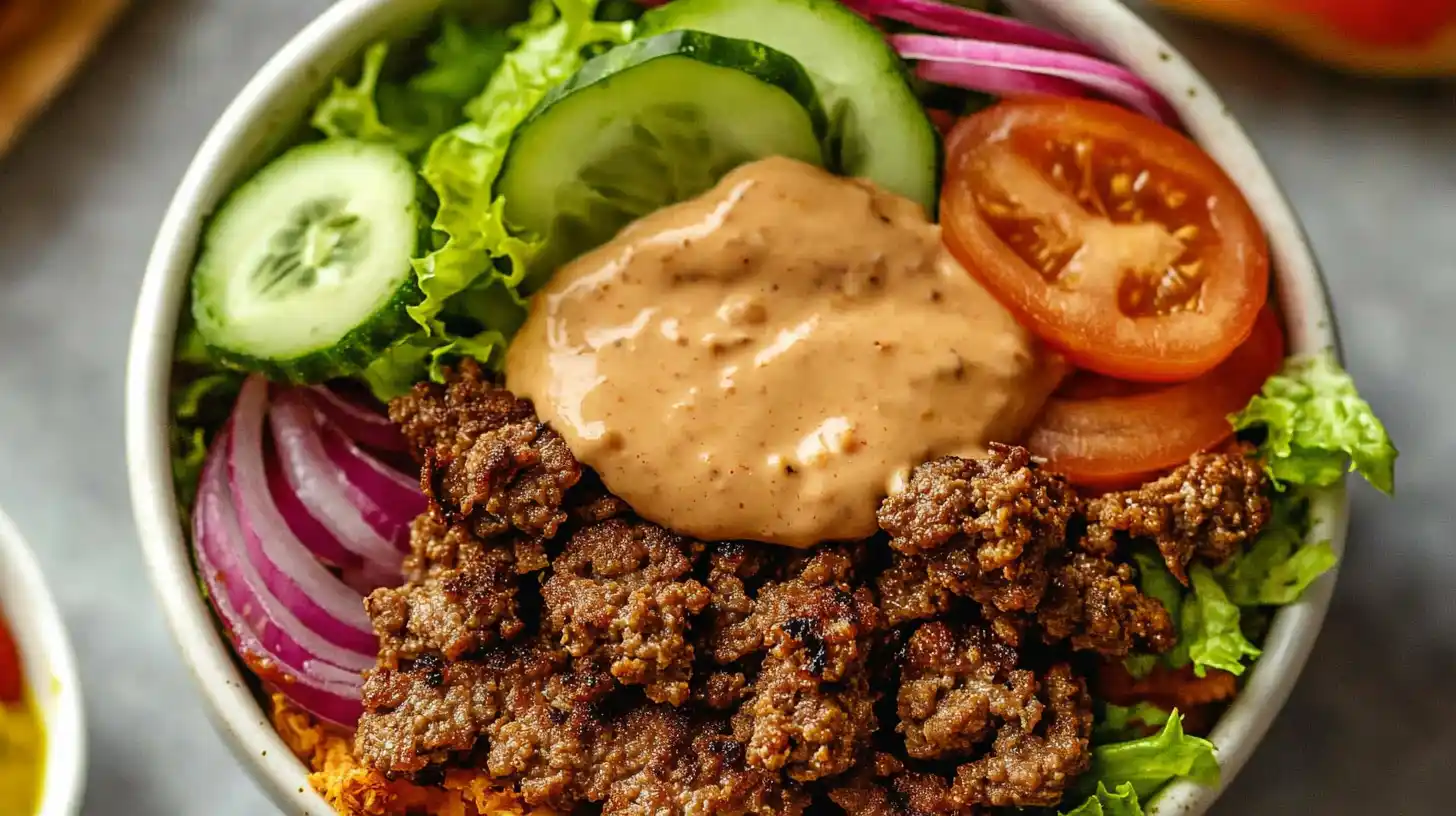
(879, 128)
(305, 271)
(649, 124)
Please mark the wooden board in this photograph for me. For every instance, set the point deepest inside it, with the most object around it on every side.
(36, 62)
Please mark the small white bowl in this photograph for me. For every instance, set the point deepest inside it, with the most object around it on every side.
(50, 672)
(267, 112)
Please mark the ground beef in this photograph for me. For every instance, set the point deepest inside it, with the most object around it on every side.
(461, 595)
(1094, 602)
(621, 594)
(864, 792)
(647, 673)
(957, 688)
(691, 768)
(488, 461)
(1033, 761)
(998, 506)
(812, 710)
(721, 690)
(735, 571)
(425, 713)
(953, 513)
(451, 417)
(1207, 508)
(906, 592)
(591, 503)
(979, 529)
(554, 736)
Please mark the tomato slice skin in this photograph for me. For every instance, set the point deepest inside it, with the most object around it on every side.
(1073, 212)
(1108, 436)
(12, 683)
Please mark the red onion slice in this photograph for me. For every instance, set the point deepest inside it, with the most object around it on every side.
(1113, 81)
(327, 489)
(393, 500)
(322, 543)
(243, 602)
(289, 571)
(367, 426)
(997, 81)
(957, 21)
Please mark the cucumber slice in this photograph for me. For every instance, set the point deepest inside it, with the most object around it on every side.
(648, 124)
(305, 271)
(879, 128)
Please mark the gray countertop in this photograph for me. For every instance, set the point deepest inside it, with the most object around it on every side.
(1370, 167)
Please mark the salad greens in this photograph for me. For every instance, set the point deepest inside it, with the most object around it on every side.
(1137, 769)
(1210, 626)
(463, 110)
(1121, 723)
(1120, 802)
(1277, 568)
(1318, 427)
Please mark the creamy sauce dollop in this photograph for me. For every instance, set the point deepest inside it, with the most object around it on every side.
(768, 361)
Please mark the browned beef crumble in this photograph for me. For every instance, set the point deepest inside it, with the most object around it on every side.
(620, 593)
(1207, 508)
(811, 710)
(460, 595)
(996, 532)
(957, 687)
(1095, 603)
(653, 674)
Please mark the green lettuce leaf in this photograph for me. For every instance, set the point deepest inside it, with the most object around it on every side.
(1149, 763)
(474, 275)
(409, 115)
(1156, 581)
(1210, 627)
(1119, 723)
(1279, 565)
(1318, 427)
(199, 407)
(1123, 801)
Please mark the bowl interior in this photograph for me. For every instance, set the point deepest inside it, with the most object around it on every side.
(50, 671)
(268, 112)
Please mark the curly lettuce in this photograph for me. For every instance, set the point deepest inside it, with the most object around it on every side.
(1121, 801)
(1124, 773)
(1318, 428)
(1277, 568)
(411, 114)
(472, 276)
(1120, 723)
(1210, 627)
(199, 408)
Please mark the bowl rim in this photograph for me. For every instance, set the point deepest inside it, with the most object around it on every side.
(49, 664)
(237, 140)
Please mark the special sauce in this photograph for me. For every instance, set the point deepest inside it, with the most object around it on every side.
(768, 361)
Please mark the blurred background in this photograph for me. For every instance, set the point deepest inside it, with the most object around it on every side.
(1370, 165)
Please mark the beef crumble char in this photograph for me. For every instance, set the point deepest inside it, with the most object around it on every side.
(548, 635)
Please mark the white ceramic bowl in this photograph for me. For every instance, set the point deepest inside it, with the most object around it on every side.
(50, 671)
(267, 112)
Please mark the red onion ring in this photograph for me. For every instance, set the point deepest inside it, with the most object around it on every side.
(1113, 81)
(314, 535)
(368, 427)
(233, 580)
(287, 568)
(997, 81)
(957, 21)
(393, 499)
(329, 490)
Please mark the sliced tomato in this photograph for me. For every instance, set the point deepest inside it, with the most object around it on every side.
(1110, 434)
(12, 683)
(1115, 239)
